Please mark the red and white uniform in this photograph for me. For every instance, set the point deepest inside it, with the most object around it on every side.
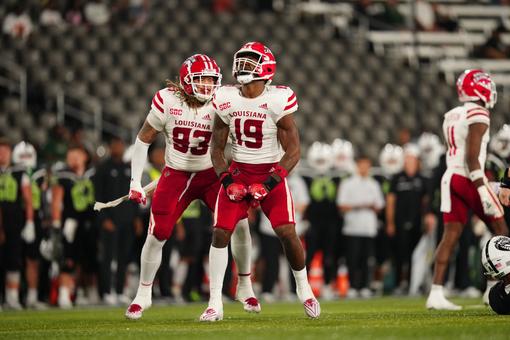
(188, 174)
(187, 131)
(255, 150)
(458, 193)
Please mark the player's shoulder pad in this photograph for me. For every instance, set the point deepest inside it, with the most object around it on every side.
(39, 173)
(89, 173)
(223, 95)
(473, 109)
(164, 97)
(283, 97)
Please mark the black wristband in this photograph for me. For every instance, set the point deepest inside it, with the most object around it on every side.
(226, 179)
(505, 181)
(271, 182)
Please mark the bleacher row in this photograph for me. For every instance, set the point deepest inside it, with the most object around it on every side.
(344, 90)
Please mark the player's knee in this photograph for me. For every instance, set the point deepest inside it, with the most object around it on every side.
(162, 226)
(285, 232)
(221, 237)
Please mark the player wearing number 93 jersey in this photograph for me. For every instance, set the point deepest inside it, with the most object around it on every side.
(183, 112)
(265, 148)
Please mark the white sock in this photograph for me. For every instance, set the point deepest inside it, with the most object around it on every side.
(436, 290)
(241, 247)
(64, 293)
(11, 296)
(32, 295)
(218, 260)
(303, 289)
(149, 261)
(180, 273)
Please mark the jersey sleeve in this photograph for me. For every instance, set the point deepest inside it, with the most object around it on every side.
(217, 102)
(478, 115)
(156, 117)
(289, 101)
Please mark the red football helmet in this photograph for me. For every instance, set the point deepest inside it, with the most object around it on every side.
(246, 69)
(193, 70)
(474, 85)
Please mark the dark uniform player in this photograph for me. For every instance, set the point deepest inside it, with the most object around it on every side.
(73, 199)
(322, 213)
(25, 157)
(496, 260)
(17, 219)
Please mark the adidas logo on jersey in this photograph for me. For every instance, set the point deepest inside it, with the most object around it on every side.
(207, 117)
(263, 106)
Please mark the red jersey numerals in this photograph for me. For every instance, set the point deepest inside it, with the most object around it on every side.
(252, 130)
(181, 136)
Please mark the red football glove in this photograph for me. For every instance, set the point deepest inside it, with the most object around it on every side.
(236, 192)
(136, 193)
(258, 191)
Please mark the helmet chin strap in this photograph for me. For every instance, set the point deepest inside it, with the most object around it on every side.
(245, 78)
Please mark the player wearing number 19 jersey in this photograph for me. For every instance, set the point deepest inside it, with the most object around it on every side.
(183, 112)
(464, 186)
(258, 117)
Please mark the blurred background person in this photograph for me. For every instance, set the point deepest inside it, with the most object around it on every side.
(405, 204)
(118, 226)
(360, 199)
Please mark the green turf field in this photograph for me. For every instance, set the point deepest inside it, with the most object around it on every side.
(352, 319)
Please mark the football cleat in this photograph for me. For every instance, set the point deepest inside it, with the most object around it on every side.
(441, 303)
(134, 311)
(251, 305)
(312, 308)
(211, 315)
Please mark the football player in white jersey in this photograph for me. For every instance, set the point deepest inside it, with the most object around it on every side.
(464, 186)
(183, 112)
(258, 117)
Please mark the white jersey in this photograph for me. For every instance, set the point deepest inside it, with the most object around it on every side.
(455, 129)
(252, 121)
(187, 131)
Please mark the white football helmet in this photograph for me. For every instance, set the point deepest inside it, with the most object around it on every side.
(391, 159)
(496, 257)
(500, 143)
(320, 157)
(431, 149)
(343, 155)
(24, 154)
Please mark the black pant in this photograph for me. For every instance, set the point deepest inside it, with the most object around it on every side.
(118, 243)
(270, 250)
(407, 237)
(324, 236)
(359, 249)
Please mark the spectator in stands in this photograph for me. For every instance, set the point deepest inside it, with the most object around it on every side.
(494, 48)
(444, 22)
(74, 13)
(424, 16)
(391, 16)
(17, 23)
(51, 16)
(135, 12)
(360, 199)
(96, 13)
(56, 147)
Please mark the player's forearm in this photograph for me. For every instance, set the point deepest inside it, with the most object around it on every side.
(390, 209)
(27, 198)
(291, 157)
(56, 204)
(473, 146)
(218, 160)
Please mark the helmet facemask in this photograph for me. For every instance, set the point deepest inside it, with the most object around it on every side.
(203, 90)
(247, 67)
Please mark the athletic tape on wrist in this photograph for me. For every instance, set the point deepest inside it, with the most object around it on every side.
(476, 175)
(226, 179)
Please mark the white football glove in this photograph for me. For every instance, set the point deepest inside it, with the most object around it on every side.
(489, 203)
(69, 230)
(136, 193)
(28, 232)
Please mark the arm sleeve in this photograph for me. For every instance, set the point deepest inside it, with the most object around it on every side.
(478, 115)
(156, 117)
(140, 150)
